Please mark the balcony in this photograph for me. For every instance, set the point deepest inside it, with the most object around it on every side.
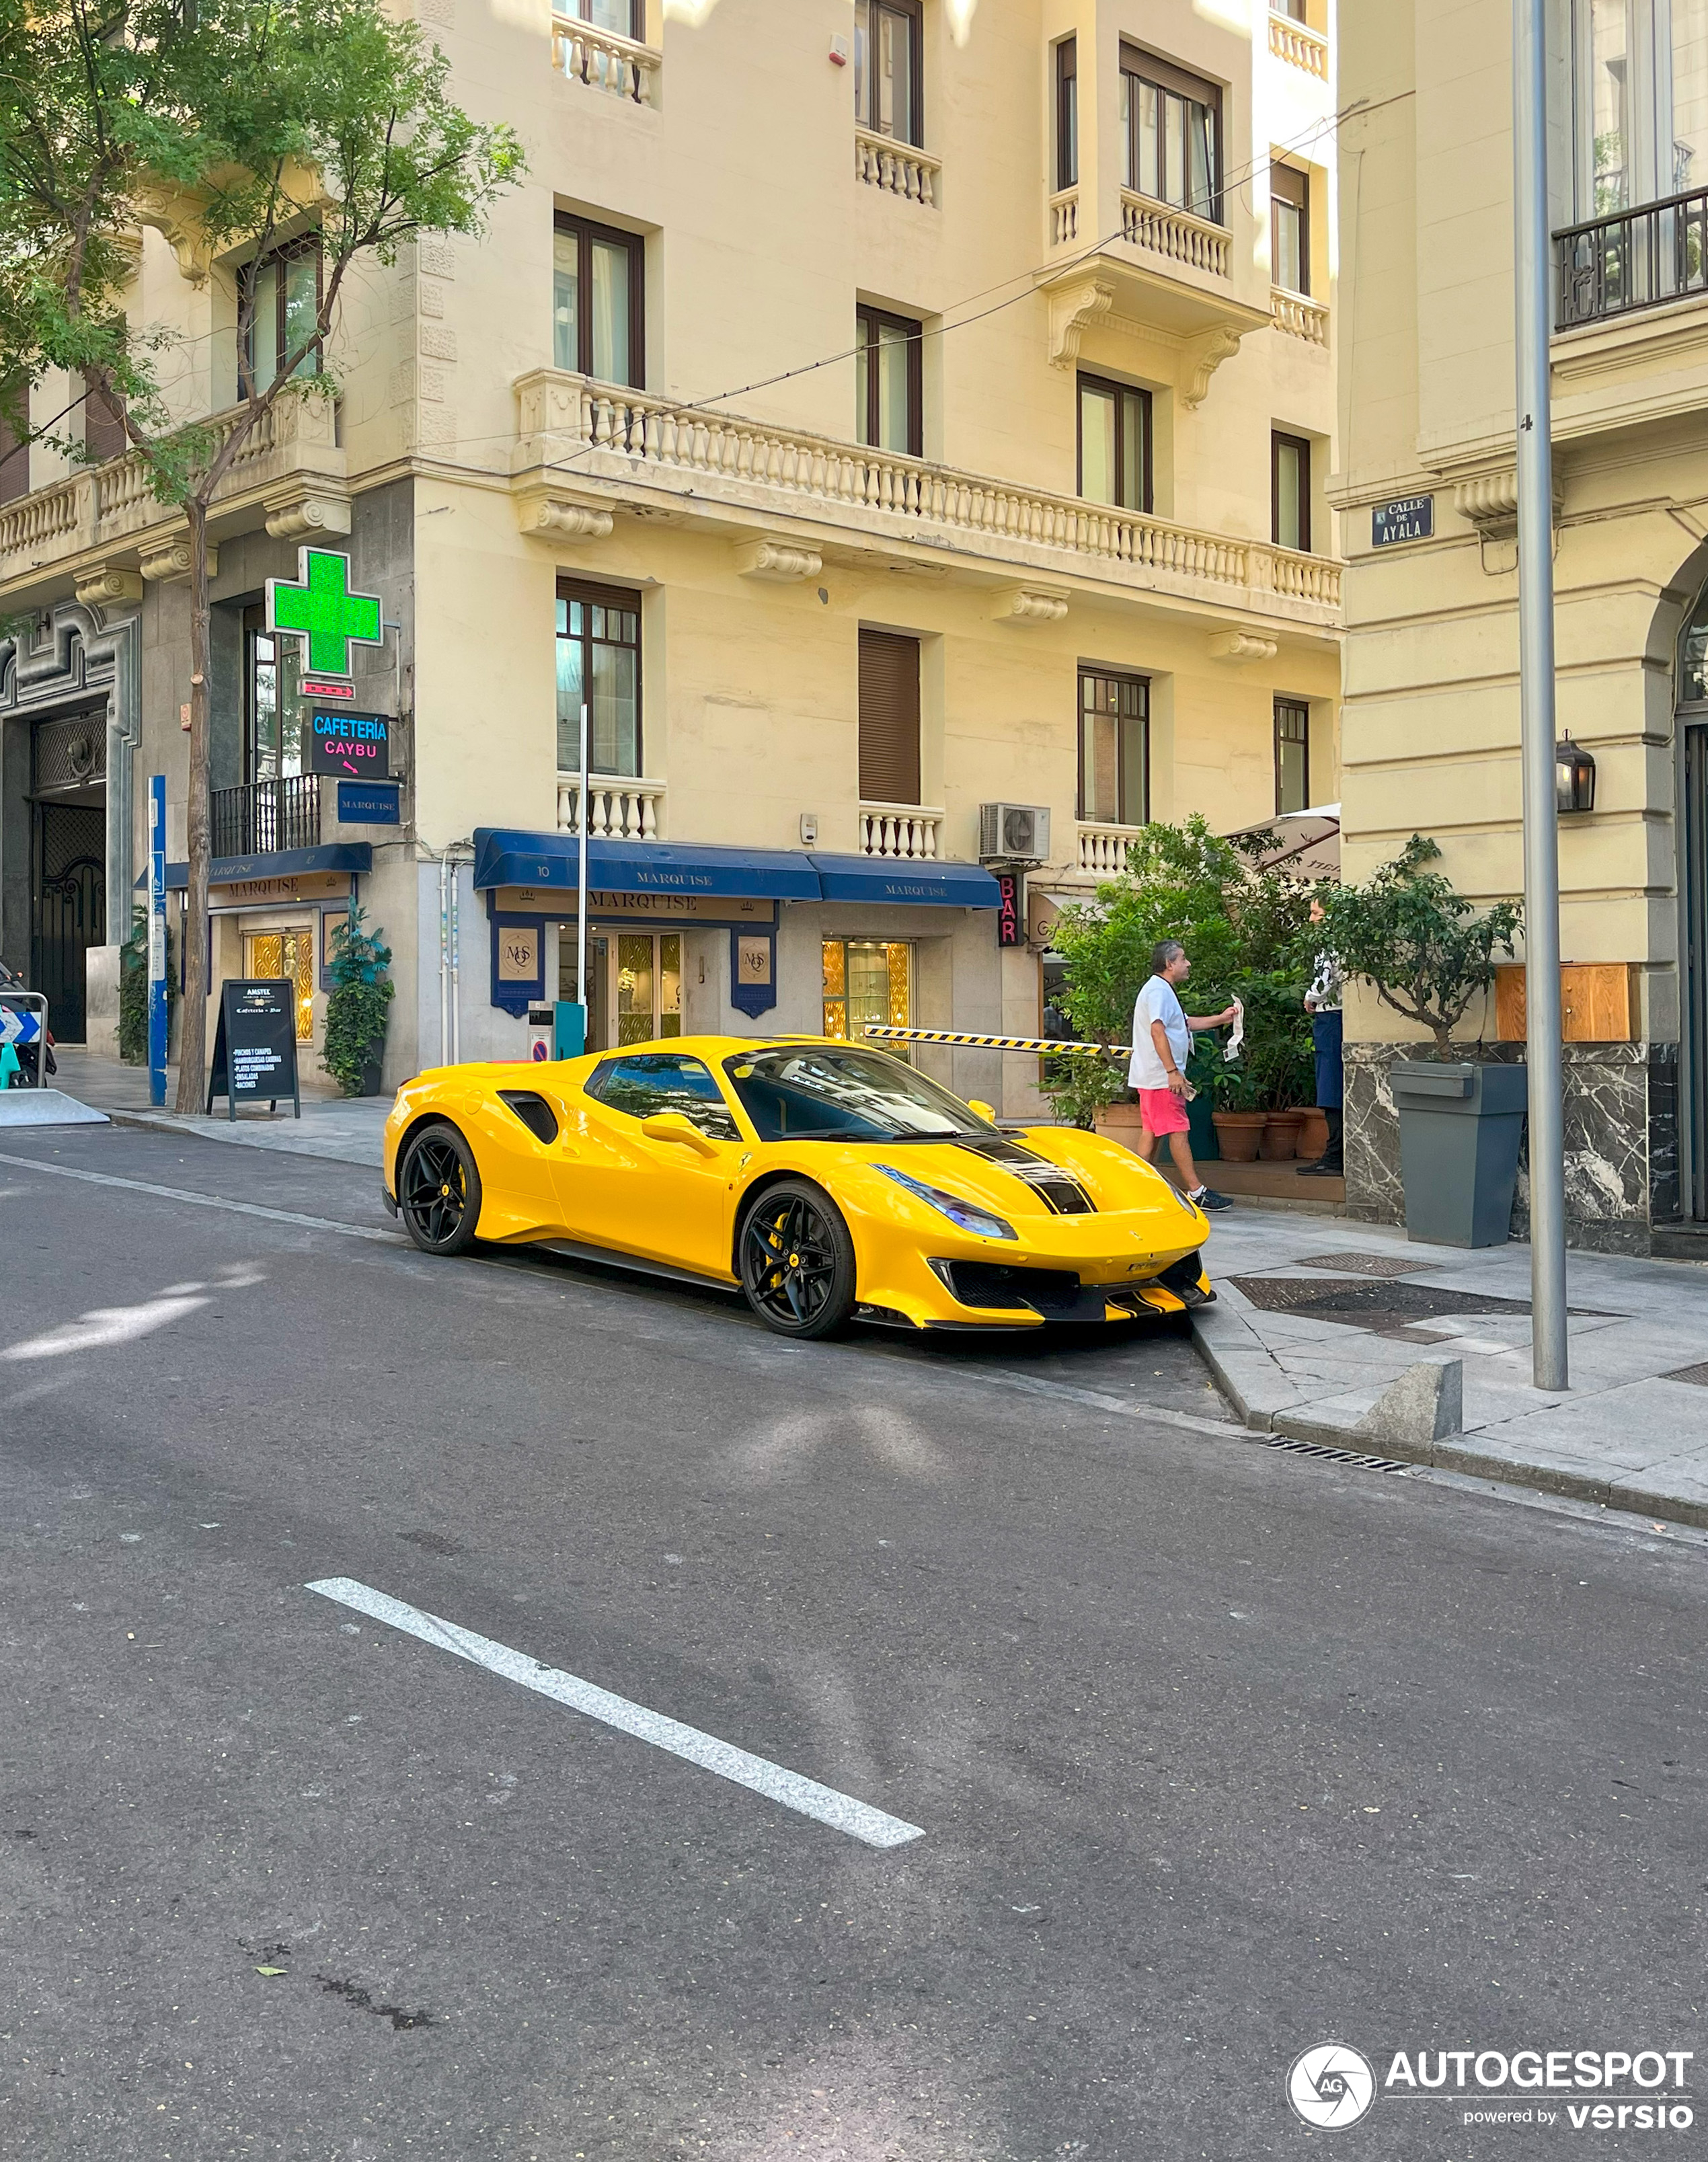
(588, 452)
(903, 831)
(897, 168)
(1633, 259)
(266, 816)
(621, 808)
(1102, 849)
(1299, 46)
(1299, 316)
(105, 527)
(1176, 235)
(603, 61)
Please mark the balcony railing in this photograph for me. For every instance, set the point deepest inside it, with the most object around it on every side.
(1064, 218)
(1174, 234)
(604, 60)
(1298, 317)
(265, 816)
(623, 809)
(1634, 258)
(897, 168)
(1299, 46)
(903, 830)
(1102, 849)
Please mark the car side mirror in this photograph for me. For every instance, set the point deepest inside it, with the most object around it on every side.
(984, 1111)
(673, 1127)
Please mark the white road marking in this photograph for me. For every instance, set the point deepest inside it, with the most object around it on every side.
(840, 1811)
(212, 1201)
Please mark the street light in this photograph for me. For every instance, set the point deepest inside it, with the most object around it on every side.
(1574, 777)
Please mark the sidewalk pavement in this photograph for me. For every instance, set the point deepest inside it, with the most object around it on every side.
(347, 1129)
(1348, 1334)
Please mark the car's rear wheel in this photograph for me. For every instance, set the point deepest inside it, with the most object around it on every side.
(438, 1190)
(797, 1261)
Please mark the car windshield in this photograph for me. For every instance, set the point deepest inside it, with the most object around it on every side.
(822, 1092)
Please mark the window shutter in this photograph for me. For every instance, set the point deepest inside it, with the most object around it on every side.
(889, 718)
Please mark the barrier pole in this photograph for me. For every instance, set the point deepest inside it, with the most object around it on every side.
(157, 940)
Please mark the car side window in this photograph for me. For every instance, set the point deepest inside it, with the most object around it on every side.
(648, 1082)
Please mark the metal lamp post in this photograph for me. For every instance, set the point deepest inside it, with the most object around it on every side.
(1536, 699)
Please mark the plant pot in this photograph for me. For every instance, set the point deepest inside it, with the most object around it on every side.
(1460, 1127)
(1312, 1135)
(1200, 1128)
(368, 1085)
(1238, 1134)
(1280, 1141)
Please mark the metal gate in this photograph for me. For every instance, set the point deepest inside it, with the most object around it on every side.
(1695, 879)
(70, 913)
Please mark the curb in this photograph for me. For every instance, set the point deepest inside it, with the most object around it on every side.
(1462, 1456)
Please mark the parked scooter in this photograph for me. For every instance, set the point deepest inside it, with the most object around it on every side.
(19, 1063)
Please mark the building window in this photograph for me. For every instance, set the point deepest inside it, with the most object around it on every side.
(1115, 443)
(280, 302)
(888, 382)
(1639, 102)
(272, 701)
(888, 691)
(598, 659)
(1292, 754)
(866, 980)
(627, 17)
(1290, 492)
(1115, 748)
(1173, 124)
(1293, 9)
(103, 424)
(1289, 228)
(1066, 113)
(14, 455)
(597, 327)
(889, 84)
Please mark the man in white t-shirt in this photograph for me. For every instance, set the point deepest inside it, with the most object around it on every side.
(1162, 1041)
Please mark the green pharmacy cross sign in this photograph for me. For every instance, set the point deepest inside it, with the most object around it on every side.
(322, 610)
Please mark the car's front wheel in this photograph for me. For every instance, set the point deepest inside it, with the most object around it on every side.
(438, 1190)
(797, 1261)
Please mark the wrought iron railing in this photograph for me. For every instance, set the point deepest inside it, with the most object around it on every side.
(264, 817)
(1634, 258)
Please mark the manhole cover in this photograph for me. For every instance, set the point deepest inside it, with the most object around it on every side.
(1699, 1374)
(1364, 1265)
(1369, 1305)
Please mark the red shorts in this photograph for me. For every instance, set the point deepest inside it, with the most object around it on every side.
(1162, 1111)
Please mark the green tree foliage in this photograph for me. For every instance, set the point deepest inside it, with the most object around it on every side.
(133, 990)
(356, 1004)
(1409, 933)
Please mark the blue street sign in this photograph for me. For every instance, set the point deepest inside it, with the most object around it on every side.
(367, 803)
(157, 940)
(19, 1027)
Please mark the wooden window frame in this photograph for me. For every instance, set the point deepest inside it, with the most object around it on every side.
(1146, 66)
(1143, 685)
(1066, 113)
(1278, 436)
(872, 632)
(1288, 185)
(586, 230)
(287, 252)
(629, 597)
(913, 12)
(868, 321)
(1291, 706)
(582, 12)
(1122, 390)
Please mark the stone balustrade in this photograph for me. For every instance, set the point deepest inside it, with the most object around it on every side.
(1102, 849)
(1299, 46)
(1177, 234)
(901, 830)
(604, 60)
(1298, 317)
(623, 809)
(1064, 218)
(897, 168)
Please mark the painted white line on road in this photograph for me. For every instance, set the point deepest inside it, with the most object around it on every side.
(840, 1811)
(212, 1201)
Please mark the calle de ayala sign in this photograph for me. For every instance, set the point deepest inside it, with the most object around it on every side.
(1407, 517)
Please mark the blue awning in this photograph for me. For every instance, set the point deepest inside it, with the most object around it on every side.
(283, 863)
(504, 858)
(876, 879)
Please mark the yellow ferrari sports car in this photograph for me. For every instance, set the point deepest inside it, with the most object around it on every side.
(825, 1181)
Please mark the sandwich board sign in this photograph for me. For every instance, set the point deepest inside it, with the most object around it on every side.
(254, 1048)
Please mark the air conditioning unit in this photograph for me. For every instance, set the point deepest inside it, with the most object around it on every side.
(1013, 833)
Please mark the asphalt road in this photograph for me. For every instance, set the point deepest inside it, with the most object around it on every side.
(1217, 1752)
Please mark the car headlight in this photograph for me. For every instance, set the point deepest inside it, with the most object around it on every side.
(1190, 1206)
(967, 1216)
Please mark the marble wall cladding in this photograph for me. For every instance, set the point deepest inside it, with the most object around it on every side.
(1622, 1151)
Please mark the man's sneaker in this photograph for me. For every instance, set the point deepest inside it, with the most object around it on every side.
(1322, 1169)
(1205, 1198)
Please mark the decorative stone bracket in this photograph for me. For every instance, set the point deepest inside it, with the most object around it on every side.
(1242, 645)
(778, 562)
(1490, 501)
(301, 513)
(1072, 309)
(1200, 359)
(1028, 605)
(103, 584)
(170, 562)
(548, 514)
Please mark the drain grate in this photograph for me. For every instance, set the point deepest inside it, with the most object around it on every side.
(1699, 1374)
(1336, 1455)
(1359, 1305)
(1364, 1265)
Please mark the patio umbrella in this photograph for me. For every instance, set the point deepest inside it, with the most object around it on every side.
(1305, 844)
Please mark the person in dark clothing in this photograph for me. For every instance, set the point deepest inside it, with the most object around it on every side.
(1323, 1004)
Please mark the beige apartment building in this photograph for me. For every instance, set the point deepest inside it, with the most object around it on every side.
(905, 426)
(1425, 490)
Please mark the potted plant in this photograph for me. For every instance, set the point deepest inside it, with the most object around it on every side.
(356, 1007)
(1427, 953)
(133, 990)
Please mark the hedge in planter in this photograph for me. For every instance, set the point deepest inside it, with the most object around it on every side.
(133, 990)
(356, 1007)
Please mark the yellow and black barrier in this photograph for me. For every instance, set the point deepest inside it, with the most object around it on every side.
(1040, 1046)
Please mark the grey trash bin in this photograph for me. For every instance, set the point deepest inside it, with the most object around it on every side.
(1460, 1127)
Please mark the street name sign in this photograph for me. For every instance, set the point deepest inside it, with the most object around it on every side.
(1407, 518)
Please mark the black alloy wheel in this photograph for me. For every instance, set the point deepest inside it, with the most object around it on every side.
(797, 1261)
(438, 1190)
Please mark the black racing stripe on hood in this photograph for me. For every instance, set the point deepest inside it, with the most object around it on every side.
(1058, 1190)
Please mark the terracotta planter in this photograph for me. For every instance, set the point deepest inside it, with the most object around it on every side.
(1120, 1122)
(1280, 1142)
(1239, 1134)
(1312, 1135)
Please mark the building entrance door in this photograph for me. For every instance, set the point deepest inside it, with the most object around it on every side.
(288, 953)
(1696, 896)
(68, 913)
(634, 984)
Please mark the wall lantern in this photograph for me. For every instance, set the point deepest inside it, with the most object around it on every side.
(1574, 777)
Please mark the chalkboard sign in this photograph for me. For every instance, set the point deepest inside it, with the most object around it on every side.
(254, 1048)
(357, 745)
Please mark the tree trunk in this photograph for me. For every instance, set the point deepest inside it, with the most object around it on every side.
(192, 1033)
